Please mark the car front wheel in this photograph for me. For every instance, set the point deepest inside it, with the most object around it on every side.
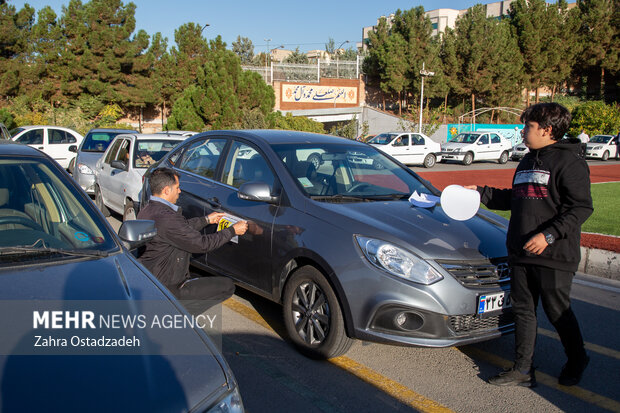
(429, 160)
(99, 202)
(312, 315)
(503, 158)
(468, 158)
(605, 156)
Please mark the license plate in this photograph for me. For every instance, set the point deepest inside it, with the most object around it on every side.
(494, 302)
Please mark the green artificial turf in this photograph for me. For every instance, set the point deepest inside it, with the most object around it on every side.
(606, 216)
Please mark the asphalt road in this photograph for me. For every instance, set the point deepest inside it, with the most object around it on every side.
(371, 377)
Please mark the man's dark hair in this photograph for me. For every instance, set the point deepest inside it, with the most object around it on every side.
(161, 178)
(549, 114)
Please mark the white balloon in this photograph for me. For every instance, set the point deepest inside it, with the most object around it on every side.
(460, 203)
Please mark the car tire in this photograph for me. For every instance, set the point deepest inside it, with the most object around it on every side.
(312, 315)
(430, 160)
(71, 166)
(605, 156)
(503, 158)
(129, 211)
(99, 202)
(468, 158)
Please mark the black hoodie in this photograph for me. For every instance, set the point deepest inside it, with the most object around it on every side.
(550, 193)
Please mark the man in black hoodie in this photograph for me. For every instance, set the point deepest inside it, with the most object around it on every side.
(549, 201)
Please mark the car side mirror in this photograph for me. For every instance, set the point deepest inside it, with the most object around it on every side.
(73, 148)
(137, 232)
(256, 191)
(118, 165)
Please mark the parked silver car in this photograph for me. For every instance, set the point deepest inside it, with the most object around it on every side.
(340, 246)
(118, 173)
(88, 153)
(57, 253)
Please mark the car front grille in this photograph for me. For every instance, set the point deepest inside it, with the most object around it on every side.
(466, 324)
(478, 273)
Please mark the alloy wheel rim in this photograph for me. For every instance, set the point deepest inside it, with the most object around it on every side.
(311, 313)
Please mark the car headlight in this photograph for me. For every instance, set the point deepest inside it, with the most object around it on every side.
(230, 404)
(597, 148)
(457, 150)
(85, 169)
(397, 261)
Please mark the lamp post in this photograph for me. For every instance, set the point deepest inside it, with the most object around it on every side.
(204, 27)
(423, 73)
(267, 59)
(336, 51)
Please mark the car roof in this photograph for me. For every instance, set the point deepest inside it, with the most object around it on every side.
(112, 130)
(17, 149)
(150, 136)
(277, 136)
(177, 132)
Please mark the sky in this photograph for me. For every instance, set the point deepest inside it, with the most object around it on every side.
(292, 23)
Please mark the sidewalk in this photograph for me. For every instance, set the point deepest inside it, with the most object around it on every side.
(600, 255)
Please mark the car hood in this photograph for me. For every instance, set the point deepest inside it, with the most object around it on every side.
(428, 232)
(150, 380)
(591, 145)
(454, 145)
(89, 158)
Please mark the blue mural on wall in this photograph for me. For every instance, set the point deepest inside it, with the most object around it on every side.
(510, 132)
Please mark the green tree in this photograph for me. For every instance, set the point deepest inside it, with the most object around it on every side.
(297, 57)
(330, 46)
(595, 117)
(15, 28)
(244, 48)
(276, 120)
(222, 94)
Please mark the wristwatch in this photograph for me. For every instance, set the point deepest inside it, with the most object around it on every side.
(549, 238)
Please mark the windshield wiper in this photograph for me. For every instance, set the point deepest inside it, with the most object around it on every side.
(386, 197)
(48, 250)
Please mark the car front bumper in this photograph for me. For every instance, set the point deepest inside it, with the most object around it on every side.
(451, 155)
(86, 182)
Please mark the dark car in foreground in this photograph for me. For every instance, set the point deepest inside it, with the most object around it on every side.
(62, 269)
(340, 246)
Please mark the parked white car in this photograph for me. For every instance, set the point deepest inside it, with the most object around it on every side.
(468, 147)
(118, 173)
(602, 147)
(408, 147)
(519, 151)
(53, 140)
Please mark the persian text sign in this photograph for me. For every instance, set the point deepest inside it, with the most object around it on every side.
(299, 93)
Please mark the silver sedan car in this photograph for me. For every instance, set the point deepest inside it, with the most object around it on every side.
(340, 245)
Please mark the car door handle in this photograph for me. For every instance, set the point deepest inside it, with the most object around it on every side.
(40, 147)
(214, 202)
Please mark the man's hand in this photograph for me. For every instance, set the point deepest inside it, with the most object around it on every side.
(214, 217)
(474, 187)
(536, 244)
(240, 227)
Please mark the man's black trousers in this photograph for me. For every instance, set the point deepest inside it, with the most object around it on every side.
(529, 284)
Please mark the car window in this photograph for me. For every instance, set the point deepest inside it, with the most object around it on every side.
(600, 139)
(417, 140)
(465, 138)
(32, 137)
(245, 164)
(402, 140)
(41, 210)
(147, 152)
(495, 138)
(383, 138)
(347, 171)
(123, 151)
(112, 152)
(4, 133)
(98, 141)
(484, 140)
(202, 156)
(60, 136)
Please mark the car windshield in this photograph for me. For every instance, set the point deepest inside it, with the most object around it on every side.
(383, 138)
(98, 141)
(15, 131)
(600, 139)
(342, 173)
(148, 152)
(465, 138)
(42, 216)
